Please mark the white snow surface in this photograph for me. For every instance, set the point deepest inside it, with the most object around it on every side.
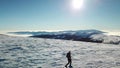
(23, 52)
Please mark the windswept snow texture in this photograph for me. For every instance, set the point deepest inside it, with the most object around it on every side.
(79, 35)
(21, 52)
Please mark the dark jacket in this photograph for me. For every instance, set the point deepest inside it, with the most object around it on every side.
(68, 55)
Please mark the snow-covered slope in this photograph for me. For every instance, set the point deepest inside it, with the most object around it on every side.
(21, 52)
(110, 39)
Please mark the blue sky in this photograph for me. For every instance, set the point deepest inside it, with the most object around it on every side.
(59, 15)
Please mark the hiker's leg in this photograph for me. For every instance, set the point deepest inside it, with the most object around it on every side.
(70, 62)
(66, 65)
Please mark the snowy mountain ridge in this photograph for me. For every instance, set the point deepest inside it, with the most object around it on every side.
(78, 35)
(59, 32)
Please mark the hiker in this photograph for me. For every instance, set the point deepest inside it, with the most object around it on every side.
(69, 59)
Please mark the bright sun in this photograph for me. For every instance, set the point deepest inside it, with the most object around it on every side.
(77, 4)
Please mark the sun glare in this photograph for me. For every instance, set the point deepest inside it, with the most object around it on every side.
(77, 4)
